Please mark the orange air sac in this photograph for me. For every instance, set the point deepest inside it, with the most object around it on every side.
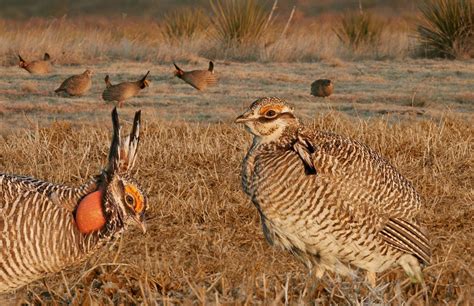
(89, 215)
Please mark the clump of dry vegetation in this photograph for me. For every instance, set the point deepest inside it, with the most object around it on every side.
(447, 28)
(204, 242)
(185, 23)
(240, 22)
(359, 29)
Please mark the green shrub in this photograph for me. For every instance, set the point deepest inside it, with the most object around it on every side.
(447, 28)
(185, 23)
(240, 22)
(359, 29)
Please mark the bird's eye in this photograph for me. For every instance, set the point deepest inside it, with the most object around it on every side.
(129, 199)
(270, 113)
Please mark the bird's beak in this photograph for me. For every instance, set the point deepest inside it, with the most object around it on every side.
(141, 223)
(244, 118)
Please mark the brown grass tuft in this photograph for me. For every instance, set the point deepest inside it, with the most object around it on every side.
(205, 243)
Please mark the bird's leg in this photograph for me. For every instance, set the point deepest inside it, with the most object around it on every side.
(314, 275)
(372, 279)
(412, 268)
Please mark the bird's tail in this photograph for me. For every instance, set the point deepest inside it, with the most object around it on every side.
(22, 61)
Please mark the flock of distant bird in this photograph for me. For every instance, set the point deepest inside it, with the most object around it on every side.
(333, 202)
(78, 85)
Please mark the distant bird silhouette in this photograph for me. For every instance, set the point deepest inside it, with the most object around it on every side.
(322, 88)
(199, 79)
(36, 67)
(122, 91)
(76, 85)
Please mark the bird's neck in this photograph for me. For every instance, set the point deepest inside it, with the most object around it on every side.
(281, 139)
(96, 214)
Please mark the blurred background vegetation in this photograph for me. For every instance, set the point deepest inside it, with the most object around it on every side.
(153, 8)
(241, 30)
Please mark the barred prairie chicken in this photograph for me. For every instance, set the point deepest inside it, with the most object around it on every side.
(122, 91)
(322, 88)
(199, 79)
(76, 85)
(36, 67)
(46, 227)
(331, 201)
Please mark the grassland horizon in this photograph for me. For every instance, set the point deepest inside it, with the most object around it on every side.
(93, 40)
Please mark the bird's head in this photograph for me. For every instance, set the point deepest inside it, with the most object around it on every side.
(125, 197)
(119, 200)
(267, 118)
(22, 62)
(88, 73)
(178, 72)
(144, 83)
(124, 193)
(107, 81)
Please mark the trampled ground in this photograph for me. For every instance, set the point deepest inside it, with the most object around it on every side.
(425, 88)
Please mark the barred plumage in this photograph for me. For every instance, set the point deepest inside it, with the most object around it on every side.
(36, 67)
(199, 79)
(76, 85)
(332, 201)
(41, 226)
(122, 91)
(322, 88)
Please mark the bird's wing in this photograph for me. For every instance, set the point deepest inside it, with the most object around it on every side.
(200, 79)
(113, 92)
(63, 196)
(373, 190)
(356, 165)
(70, 81)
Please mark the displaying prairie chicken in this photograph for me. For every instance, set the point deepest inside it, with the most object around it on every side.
(46, 227)
(76, 85)
(122, 91)
(322, 88)
(331, 201)
(36, 67)
(199, 79)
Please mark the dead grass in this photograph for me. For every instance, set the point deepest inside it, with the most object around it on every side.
(362, 89)
(204, 243)
(97, 39)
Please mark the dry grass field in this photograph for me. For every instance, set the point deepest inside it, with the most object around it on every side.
(204, 243)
